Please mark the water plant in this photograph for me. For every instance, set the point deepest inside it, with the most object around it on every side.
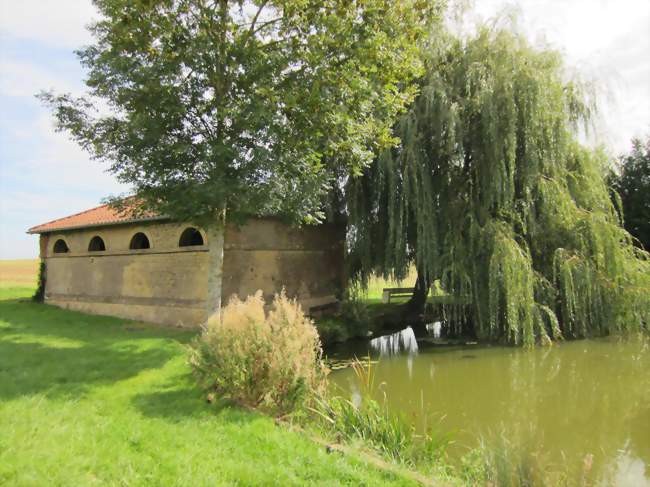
(505, 463)
(368, 421)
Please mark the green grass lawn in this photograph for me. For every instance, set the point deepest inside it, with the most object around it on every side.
(87, 400)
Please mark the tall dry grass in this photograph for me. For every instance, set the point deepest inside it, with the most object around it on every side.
(268, 361)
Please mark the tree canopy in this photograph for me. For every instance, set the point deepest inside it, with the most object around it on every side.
(489, 192)
(458, 155)
(633, 186)
(252, 106)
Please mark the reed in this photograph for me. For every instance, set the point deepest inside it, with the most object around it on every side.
(367, 420)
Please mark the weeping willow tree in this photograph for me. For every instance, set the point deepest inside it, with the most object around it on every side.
(490, 192)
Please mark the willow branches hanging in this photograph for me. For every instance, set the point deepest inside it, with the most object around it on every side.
(490, 192)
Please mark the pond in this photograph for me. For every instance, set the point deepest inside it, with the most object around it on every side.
(573, 402)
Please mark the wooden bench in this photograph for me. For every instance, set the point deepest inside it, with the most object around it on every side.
(396, 292)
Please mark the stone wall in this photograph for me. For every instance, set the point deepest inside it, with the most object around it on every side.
(269, 255)
(163, 284)
(175, 285)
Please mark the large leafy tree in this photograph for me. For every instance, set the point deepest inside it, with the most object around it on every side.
(489, 192)
(632, 184)
(248, 106)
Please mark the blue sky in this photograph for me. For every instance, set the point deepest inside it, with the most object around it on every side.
(44, 176)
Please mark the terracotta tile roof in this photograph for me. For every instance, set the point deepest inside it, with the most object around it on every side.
(101, 215)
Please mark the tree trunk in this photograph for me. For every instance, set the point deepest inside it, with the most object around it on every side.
(215, 233)
(416, 304)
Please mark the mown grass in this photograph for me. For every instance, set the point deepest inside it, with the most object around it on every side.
(376, 285)
(88, 400)
(91, 400)
(372, 296)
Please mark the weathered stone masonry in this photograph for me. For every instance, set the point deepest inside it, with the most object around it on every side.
(175, 285)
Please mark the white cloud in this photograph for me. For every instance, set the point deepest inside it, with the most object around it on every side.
(20, 79)
(55, 179)
(56, 169)
(607, 41)
(57, 158)
(54, 22)
(43, 174)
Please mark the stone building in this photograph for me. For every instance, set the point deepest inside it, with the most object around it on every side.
(152, 269)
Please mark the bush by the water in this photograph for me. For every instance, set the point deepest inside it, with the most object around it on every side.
(353, 321)
(269, 361)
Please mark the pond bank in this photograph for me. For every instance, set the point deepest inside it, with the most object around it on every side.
(98, 400)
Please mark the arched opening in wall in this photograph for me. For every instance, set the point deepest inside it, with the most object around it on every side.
(139, 241)
(96, 244)
(60, 247)
(190, 236)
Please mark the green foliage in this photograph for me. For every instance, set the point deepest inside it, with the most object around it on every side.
(333, 329)
(248, 106)
(370, 423)
(39, 294)
(269, 362)
(355, 311)
(353, 321)
(339, 329)
(633, 187)
(490, 193)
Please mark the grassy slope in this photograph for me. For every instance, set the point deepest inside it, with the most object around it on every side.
(87, 400)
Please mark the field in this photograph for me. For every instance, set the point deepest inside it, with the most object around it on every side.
(22, 272)
(18, 277)
(89, 400)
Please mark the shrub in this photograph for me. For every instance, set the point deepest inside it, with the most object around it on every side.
(333, 329)
(272, 362)
(352, 321)
(354, 311)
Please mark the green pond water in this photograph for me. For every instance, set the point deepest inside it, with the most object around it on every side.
(570, 402)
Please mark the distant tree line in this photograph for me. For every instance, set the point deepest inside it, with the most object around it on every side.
(631, 181)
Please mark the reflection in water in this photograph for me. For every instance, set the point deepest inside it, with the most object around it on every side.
(625, 471)
(434, 328)
(569, 401)
(395, 343)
